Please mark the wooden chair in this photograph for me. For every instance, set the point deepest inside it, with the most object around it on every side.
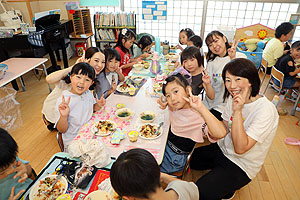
(279, 76)
(181, 173)
(264, 65)
(60, 141)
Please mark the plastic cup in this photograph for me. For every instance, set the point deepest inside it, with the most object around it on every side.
(133, 136)
(131, 91)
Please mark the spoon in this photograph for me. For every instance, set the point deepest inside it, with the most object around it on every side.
(160, 125)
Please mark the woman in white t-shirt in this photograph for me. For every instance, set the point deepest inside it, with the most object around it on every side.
(219, 54)
(245, 134)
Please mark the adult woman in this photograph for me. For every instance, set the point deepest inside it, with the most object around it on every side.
(94, 57)
(245, 134)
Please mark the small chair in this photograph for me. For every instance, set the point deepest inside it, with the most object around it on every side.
(180, 174)
(60, 141)
(279, 76)
(264, 65)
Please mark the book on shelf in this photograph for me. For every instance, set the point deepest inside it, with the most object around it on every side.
(118, 19)
(105, 34)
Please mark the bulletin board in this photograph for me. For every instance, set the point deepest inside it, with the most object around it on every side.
(99, 3)
(254, 31)
(154, 10)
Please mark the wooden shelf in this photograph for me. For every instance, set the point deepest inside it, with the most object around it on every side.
(81, 22)
(116, 27)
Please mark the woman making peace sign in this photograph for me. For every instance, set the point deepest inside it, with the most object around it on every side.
(219, 54)
(245, 134)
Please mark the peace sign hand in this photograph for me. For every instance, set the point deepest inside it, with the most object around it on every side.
(205, 77)
(232, 50)
(64, 108)
(101, 102)
(12, 194)
(82, 59)
(194, 101)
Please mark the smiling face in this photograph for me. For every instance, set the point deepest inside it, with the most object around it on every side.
(128, 43)
(97, 61)
(80, 83)
(218, 46)
(112, 65)
(237, 85)
(183, 38)
(295, 53)
(191, 65)
(175, 94)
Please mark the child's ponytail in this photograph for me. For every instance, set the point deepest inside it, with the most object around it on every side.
(125, 34)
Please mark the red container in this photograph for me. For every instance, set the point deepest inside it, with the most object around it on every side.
(80, 48)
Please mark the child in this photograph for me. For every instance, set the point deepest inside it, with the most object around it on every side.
(193, 61)
(112, 74)
(94, 57)
(77, 104)
(195, 40)
(136, 175)
(187, 126)
(141, 49)
(14, 172)
(274, 48)
(184, 34)
(219, 54)
(123, 46)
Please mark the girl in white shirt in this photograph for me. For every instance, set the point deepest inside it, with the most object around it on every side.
(76, 106)
(219, 54)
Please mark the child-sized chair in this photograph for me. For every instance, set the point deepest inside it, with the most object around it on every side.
(180, 174)
(264, 65)
(277, 75)
(60, 141)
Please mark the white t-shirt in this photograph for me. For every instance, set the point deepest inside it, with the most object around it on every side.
(81, 111)
(185, 190)
(273, 51)
(215, 69)
(50, 101)
(260, 123)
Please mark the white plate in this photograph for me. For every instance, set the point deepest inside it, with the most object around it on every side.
(102, 133)
(36, 187)
(119, 89)
(150, 138)
(98, 195)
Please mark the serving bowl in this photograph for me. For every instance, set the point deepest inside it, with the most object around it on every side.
(124, 113)
(147, 116)
(138, 67)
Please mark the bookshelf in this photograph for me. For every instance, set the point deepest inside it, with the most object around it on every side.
(295, 20)
(81, 22)
(108, 26)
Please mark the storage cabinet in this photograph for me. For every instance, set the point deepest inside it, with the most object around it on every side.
(81, 22)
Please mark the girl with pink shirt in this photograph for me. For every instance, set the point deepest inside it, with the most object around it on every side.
(187, 125)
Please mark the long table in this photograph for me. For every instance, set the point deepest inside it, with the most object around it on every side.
(19, 66)
(139, 103)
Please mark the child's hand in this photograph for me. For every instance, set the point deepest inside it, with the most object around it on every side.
(232, 50)
(205, 77)
(179, 47)
(194, 101)
(101, 102)
(239, 100)
(12, 194)
(64, 108)
(113, 86)
(21, 172)
(82, 59)
(119, 70)
(162, 102)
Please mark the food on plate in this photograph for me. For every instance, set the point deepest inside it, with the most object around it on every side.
(46, 191)
(133, 135)
(124, 113)
(157, 87)
(124, 87)
(105, 127)
(147, 116)
(148, 131)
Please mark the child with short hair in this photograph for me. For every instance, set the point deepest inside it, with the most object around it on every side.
(124, 45)
(76, 105)
(184, 34)
(112, 74)
(193, 62)
(14, 172)
(136, 175)
(275, 48)
(195, 40)
(143, 47)
(187, 125)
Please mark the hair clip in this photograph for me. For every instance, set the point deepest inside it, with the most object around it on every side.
(124, 31)
(164, 82)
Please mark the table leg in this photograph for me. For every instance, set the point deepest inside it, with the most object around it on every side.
(46, 74)
(295, 105)
(15, 85)
(22, 83)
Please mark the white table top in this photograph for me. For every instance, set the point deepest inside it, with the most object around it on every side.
(19, 66)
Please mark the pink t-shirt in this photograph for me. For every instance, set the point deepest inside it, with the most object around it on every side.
(188, 123)
(125, 59)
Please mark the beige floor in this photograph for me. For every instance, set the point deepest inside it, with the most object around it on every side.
(278, 179)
